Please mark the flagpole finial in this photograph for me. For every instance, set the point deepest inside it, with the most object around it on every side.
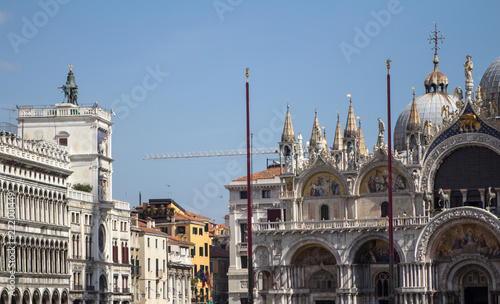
(388, 65)
(246, 74)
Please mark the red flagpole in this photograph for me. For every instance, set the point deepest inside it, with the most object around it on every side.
(389, 154)
(249, 201)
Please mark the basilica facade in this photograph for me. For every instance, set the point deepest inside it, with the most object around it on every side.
(320, 223)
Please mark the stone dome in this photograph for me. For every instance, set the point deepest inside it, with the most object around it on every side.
(429, 109)
(491, 82)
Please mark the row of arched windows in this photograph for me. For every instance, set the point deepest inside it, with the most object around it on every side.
(31, 255)
(44, 206)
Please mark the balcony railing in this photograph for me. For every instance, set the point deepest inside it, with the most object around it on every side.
(58, 111)
(287, 194)
(80, 195)
(116, 290)
(126, 290)
(77, 287)
(90, 288)
(354, 224)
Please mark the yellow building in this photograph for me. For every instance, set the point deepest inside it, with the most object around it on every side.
(174, 220)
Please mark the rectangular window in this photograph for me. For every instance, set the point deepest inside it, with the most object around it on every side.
(243, 195)
(201, 251)
(149, 264)
(148, 242)
(163, 244)
(266, 193)
(206, 227)
(195, 230)
(181, 230)
(63, 141)
(200, 231)
(193, 252)
(156, 243)
(244, 264)
(206, 249)
(149, 289)
(243, 233)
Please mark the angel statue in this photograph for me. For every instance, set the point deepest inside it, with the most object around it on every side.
(468, 68)
(460, 102)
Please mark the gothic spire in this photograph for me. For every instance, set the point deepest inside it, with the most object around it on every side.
(337, 142)
(414, 121)
(362, 147)
(350, 128)
(288, 135)
(316, 136)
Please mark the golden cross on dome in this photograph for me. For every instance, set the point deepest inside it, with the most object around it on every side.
(435, 38)
(70, 67)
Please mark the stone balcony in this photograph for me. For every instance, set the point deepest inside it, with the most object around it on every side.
(359, 225)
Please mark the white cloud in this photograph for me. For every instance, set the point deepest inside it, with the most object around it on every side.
(4, 16)
(7, 66)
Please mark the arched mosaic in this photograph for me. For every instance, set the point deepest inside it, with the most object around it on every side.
(323, 184)
(467, 238)
(377, 181)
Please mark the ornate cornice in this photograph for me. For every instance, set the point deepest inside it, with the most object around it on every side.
(462, 213)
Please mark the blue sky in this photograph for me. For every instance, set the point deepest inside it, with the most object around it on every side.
(182, 64)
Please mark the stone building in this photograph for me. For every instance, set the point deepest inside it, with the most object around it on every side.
(322, 236)
(34, 223)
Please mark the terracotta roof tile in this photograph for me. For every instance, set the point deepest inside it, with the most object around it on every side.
(266, 174)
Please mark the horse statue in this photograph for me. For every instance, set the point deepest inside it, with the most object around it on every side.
(490, 196)
(428, 200)
(444, 199)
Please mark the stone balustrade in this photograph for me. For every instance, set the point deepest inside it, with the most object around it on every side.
(340, 225)
(63, 110)
(80, 195)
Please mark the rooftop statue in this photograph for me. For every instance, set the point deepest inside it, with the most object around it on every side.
(468, 68)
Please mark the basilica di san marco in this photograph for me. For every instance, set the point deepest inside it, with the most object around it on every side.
(324, 239)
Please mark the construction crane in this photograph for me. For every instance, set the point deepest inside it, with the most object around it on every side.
(216, 153)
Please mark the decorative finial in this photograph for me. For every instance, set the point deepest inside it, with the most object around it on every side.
(246, 74)
(388, 65)
(70, 67)
(350, 98)
(359, 118)
(436, 39)
(287, 104)
(413, 88)
(315, 111)
(338, 116)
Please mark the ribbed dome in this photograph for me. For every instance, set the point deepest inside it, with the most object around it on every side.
(429, 109)
(491, 82)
